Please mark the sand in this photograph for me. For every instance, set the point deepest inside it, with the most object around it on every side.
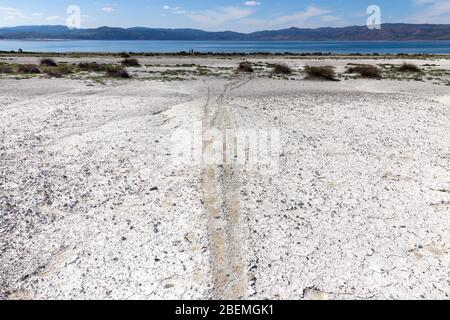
(96, 203)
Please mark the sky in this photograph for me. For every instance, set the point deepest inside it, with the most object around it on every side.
(215, 15)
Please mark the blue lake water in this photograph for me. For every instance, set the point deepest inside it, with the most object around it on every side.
(434, 47)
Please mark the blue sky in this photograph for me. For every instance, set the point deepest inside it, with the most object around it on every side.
(244, 16)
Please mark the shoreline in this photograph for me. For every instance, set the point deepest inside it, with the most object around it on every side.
(99, 201)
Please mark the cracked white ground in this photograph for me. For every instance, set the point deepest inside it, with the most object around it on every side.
(93, 207)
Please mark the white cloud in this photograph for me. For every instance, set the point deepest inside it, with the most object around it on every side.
(175, 10)
(220, 16)
(107, 9)
(10, 14)
(420, 2)
(54, 18)
(9, 9)
(252, 3)
(432, 11)
(243, 19)
(299, 18)
(330, 18)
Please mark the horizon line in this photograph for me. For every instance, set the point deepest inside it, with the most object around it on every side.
(209, 31)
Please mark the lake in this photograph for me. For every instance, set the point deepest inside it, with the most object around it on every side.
(343, 47)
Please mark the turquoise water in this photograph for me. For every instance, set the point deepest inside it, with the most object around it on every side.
(436, 47)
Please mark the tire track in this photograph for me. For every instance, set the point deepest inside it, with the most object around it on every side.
(221, 198)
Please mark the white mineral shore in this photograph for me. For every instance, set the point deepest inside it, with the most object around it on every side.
(93, 204)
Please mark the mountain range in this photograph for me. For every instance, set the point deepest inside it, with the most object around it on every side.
(388, 32)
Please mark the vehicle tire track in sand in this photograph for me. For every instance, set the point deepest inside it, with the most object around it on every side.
(221, 199)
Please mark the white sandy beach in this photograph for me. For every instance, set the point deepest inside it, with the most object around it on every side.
(93, 205)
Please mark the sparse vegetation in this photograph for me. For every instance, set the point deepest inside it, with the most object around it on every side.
(125, 55)
(170, 72)
(130, 63)
(58, 71)
(320, 73)
(245, 66)
(47, 62)
(118, 72)
(282, 69)
(366, 71)
(92, 66)
(29, 69)
(6, 68)
(408, 67)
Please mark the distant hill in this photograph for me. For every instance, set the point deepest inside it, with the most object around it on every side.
(391, 31)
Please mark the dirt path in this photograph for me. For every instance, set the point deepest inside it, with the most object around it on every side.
(221, 196)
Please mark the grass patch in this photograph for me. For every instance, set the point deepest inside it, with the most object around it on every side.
(130, 63)
(366, 71)
(408, 67)
(58, 71)
(28, 69)
(6, 68)
(47, 62)
(92, 66)
(245, 66)
(118, 72)
(281, 69)
(320, 73)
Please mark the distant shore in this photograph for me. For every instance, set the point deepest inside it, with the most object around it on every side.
(305, 55)
(228, 47)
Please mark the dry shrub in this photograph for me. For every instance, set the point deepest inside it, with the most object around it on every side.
(58, 71)
(282, 69)
(29, 69)
(6, 68)
(245, 66)
(92, 66)
(366, 71)
(118, 72)
(408, 67)
(47, 62)
(320, 73)
(130, 63)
